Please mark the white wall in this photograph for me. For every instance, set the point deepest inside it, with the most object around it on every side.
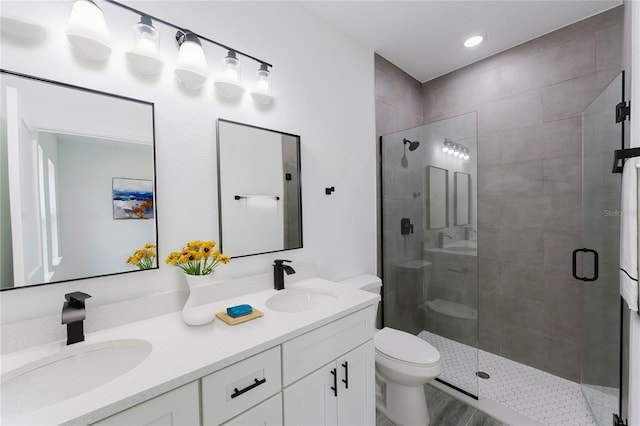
(323, 83)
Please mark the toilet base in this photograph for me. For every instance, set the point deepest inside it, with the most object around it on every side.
(403, 405)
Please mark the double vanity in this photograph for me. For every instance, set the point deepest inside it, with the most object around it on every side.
(310, 356)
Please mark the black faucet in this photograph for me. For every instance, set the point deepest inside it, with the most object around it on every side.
(73, 314)
(278, 273)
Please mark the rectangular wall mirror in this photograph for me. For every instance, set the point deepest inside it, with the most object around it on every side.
(462, 198)
(437, 199)
(74, 164)
(259, 189)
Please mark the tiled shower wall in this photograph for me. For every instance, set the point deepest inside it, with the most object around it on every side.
(398, 107)
(529, 101)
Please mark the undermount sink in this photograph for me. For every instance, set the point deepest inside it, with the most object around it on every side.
(300, 299)
(71, 372)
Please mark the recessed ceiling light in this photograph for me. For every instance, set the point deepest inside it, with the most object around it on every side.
(473, 41)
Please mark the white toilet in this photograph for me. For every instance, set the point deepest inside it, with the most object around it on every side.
(404, 363)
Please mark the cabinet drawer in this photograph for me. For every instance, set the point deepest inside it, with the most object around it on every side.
(312, 350)
(240, 386)
(178, 407)
(268, 413)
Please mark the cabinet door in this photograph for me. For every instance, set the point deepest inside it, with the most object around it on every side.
(356, 386)
(268, 413)
(179, 407)
(311, 401)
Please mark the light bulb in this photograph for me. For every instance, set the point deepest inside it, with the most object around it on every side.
(445, 149)
(262, 90)
(231, 67)
(143, 55)
(228, 84)
(466, 156)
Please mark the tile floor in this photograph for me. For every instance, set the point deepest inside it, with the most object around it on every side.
(445, 410)
(541, 396)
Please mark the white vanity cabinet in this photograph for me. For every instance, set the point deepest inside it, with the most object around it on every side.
(340, 393)
(325, 376)
(329, 373)
(179, 407)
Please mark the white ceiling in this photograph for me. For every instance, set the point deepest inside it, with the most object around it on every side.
(424, 38)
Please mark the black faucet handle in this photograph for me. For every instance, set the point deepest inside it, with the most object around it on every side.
(278, 262)
(76, 298)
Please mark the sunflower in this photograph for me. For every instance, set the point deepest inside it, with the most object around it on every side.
(198, 258)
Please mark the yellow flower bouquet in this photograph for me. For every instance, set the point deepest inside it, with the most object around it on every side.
(143, 258)
(197, 258)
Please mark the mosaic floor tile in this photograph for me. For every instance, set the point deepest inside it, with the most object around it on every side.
(548, 399)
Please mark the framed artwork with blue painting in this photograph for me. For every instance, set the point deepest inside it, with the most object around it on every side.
(132, 198)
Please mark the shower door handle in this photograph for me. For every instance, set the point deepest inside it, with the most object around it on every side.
(595, 264)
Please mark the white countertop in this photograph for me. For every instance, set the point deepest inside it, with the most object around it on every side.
(182, 354)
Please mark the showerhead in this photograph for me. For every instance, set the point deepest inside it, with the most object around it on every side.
(413, 145)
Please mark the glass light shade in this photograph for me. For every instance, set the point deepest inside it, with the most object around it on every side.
(191, 67)
(228, 83)
(21, 27)
(466, 156)
(445, 149)
(87, 32)
(143, 55)
(261, 93)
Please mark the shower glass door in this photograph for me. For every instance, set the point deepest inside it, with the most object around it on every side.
(429, 240)
(601, 190)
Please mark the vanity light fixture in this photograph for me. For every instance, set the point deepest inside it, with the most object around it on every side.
(143, 56)
(228, 83)
(191, 67)
(473, 40)
(261, 93)
(87, 31)
(88, 34)
(457, 150)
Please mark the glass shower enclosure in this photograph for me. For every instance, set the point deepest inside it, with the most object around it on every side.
(601, 313)
(429, 241)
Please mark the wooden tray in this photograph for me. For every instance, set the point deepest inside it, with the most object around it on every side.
(233, 321)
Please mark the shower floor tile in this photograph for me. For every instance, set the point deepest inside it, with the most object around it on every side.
(548, 399)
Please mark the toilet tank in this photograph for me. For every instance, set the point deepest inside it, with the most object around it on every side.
(412, 279)
(364, 282)
(369, 283)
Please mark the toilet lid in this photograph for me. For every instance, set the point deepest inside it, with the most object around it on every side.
(405, 347)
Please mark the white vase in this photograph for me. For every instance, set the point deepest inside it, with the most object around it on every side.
(192, 312)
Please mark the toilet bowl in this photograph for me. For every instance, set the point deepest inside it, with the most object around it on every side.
(404, 363)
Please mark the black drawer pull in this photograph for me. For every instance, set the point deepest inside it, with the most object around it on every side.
(256, 383)
(346, 375)
(334, 388)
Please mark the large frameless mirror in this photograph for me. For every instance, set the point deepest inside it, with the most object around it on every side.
(77, 182)
(259, 189)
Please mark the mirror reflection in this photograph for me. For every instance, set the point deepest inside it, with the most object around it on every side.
(462, 198)
(259, 189)
(437, 185)
(73, 164)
